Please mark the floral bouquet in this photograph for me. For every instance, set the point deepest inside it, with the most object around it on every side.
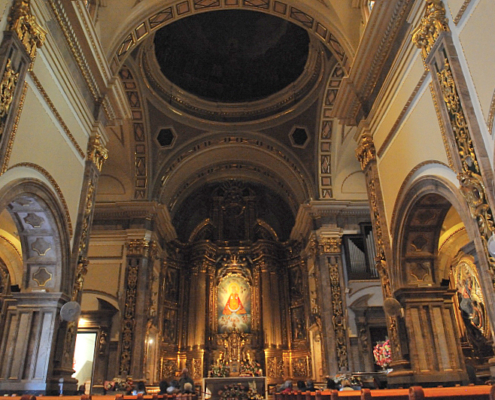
(382, 354)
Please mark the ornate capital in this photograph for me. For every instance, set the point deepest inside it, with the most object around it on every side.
(97, 152)
(24, 25)
(137, 247)
(331, 245)
(431, 26)
(366, 152)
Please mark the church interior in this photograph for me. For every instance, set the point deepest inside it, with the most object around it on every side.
(264, 189)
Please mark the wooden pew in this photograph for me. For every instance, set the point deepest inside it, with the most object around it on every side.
(385, 394)
(481, 392)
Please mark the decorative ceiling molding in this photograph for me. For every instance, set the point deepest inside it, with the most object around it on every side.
(211, 152)
(182, 8)
(281, 102)
(140, 133)
(383, 30)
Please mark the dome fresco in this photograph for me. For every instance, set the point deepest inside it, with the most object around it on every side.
(232, 56)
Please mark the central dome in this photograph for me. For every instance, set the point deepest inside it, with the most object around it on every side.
(232, 56)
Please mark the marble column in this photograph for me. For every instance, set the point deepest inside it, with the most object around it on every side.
(434, 347)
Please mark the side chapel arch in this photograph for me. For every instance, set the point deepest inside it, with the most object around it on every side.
(434, 331)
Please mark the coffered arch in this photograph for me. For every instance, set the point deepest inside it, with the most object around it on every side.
(248, 156)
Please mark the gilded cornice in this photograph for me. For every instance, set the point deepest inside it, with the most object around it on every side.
(144, 27)
(137, 247)
(366, 152)
(76, 50)
(431, 26)
(23, 23)
(330, 245)
(382, 32)
(97, 152)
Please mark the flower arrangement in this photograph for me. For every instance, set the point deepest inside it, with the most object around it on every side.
(218, 371)
(382, 354)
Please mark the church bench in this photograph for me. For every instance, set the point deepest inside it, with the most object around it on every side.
(481, 392)
(140, 396)
(385, 394)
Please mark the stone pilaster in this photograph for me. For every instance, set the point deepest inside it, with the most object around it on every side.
(464, 137)
(17, 53)
(134, 313)
(366, 154)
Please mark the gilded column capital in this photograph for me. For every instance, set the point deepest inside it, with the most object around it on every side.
(23, 23)
(431, 26)
(366, 152)
(97, 152)
(331, 245)
(137, 247)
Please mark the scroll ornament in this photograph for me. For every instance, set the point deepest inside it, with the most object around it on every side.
(432, 25)
(365, 153)
(24, 25)
(7, 88)
(97, 152)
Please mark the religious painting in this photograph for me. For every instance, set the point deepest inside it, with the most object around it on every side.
(296, 283)
(298, 324)
(471, 302)
(234, 305)
(171, 284)
(170, 325)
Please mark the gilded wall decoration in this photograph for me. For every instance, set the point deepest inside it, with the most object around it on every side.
(300, 367)
(97, 152)
(431, 26)
(86, 218)
(330, 245)
(168, 368)
(7, 90)
(197, 372)
(366, 154)
(129, 315)
(24, 25)
(470, 176)
(271, 367)
(338, 319)
(10, 144)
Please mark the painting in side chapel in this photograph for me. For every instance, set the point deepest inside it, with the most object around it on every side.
(234, 305)
(470, 299)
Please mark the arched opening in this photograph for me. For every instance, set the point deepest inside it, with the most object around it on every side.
(439, 287)
(35, 251)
